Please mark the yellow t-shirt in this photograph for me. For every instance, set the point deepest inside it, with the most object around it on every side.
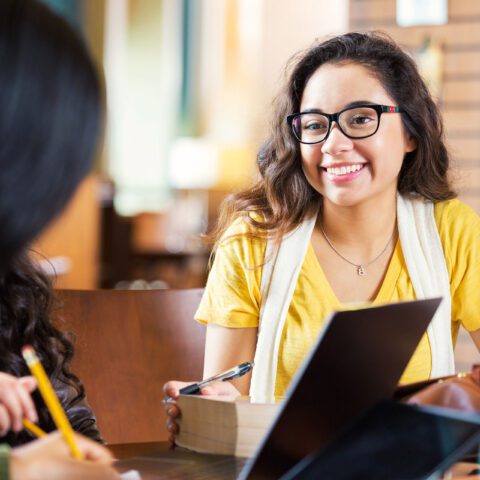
(232, 295)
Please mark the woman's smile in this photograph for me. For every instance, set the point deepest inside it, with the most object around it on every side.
(342, 172)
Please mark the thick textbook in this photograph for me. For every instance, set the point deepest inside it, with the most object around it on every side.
(223, 425)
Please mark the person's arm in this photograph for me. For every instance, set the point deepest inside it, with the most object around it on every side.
(230, 308)
(79, 412)
(476, 338)
(224, 348)
(4, 462)
(227, 347)
(459, 229)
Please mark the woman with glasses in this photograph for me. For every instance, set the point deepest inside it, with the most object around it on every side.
(353, 207)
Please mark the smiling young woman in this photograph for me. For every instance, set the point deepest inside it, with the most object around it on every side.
(354, 174)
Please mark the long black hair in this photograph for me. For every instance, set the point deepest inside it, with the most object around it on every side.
(50, 119)
(51, 107)
(26, 308)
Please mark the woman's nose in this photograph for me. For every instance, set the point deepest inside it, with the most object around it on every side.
(336, 142)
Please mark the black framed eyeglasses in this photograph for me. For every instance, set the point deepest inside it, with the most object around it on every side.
(359, 121)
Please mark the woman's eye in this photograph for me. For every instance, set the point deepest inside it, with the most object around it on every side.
(314, 126)
(360, 120)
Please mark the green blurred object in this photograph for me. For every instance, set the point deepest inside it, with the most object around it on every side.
(188, 111)
(70, 9)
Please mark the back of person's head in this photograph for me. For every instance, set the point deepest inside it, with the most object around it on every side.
(50, 119)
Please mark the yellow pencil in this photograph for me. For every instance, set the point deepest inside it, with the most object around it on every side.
(51, 400)
(33, 429)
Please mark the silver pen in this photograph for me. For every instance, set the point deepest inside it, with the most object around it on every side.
(230, 374)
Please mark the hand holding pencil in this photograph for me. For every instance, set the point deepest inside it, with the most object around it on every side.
(51, 400)
(50, 458)
(16, 402)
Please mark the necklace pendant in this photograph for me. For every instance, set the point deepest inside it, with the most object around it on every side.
(361, 270)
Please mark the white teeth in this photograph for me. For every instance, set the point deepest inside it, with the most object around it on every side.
(344, 170)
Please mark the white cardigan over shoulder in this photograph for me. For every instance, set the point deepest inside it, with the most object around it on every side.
(424, 256)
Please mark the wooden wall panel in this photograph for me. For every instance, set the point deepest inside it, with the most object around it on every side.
(380, 12)
(458, 9)
(463, 92)
(460, 99)
(462, 64)
(464, 149)
(75, 235)
(468, 178)
(462, 120)
(471, 198)
(461, 34)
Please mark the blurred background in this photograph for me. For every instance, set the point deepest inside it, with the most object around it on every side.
(189, 87)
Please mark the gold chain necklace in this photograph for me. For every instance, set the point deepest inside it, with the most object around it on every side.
(361, 268)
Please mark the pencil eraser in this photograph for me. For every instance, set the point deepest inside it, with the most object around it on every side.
(27, 349)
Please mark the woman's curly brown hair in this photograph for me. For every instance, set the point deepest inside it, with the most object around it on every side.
(283, 196)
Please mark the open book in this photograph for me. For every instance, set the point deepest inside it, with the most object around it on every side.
(223, 425)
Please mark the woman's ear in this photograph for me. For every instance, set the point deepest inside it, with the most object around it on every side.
(410, 143)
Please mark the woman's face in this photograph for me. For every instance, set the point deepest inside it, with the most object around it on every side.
(372, 164)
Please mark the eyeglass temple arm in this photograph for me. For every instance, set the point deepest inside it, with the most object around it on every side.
(391, 109)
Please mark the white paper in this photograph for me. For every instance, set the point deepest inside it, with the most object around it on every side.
(131, 475)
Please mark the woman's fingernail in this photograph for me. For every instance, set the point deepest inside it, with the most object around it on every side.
(170, 412)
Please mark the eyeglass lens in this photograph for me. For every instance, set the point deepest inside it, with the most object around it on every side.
(355, 122)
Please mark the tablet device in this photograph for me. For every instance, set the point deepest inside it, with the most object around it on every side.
(394, 441)
(357, 361)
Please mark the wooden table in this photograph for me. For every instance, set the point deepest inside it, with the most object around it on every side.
(124, 451)
(152, 460)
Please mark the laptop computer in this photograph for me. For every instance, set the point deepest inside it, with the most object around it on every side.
(394, 441)
(357, 361)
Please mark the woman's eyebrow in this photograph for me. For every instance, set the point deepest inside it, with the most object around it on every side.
(356, 103)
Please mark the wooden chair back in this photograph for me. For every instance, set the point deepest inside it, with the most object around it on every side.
(128, 343)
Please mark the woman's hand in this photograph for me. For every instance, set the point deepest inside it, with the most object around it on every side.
(51, 457)
(461, 392)
(172, 390)
(16, 402)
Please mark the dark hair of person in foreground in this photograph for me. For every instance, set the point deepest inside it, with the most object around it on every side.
(50, 121)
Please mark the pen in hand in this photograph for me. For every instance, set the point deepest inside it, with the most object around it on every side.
(226, 376)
